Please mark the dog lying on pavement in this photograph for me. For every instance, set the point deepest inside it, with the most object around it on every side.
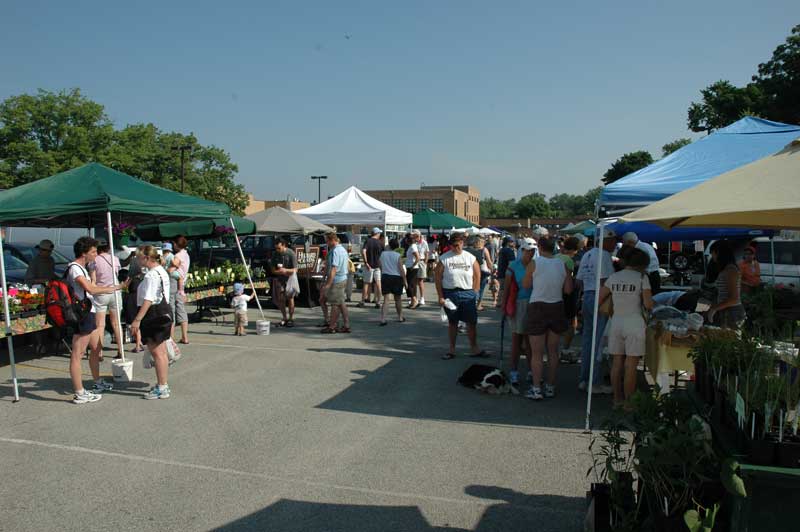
(487, 379)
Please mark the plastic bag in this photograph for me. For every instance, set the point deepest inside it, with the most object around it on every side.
(292, 286)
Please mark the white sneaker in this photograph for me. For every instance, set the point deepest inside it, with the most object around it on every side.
(85, 396)
(534, 393)
(582, 386)
(421, 301)
(602, 389)
(549, 391)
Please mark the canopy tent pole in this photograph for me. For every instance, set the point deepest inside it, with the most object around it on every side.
(8, 322)
(117, 318)
(772, 254)
(598, 270)
(246, 266)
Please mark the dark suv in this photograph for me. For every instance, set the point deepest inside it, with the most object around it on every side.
(257, 250)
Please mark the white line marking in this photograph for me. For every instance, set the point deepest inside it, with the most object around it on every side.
(262, 476)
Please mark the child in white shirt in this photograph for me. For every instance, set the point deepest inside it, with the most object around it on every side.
(239, 304)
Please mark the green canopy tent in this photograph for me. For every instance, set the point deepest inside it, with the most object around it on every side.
(195, 228)
(439, 220)
(86, 197)
(585, 227)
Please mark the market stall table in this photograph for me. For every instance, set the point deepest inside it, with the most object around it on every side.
(665, 354)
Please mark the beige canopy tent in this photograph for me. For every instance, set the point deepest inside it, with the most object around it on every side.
(279, 220)
(764, 194)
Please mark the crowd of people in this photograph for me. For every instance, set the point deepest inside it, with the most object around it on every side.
(153, 306)
(541, 284)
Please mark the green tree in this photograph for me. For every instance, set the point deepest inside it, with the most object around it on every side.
(723, 104)
(779, 81)
(495, 208)
(627, 164)
(533, 206)
(567, 205)
(49, 132)
(675, 145)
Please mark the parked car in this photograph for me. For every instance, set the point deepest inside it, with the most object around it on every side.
(15, 268)
(257, 250)
(26, 251)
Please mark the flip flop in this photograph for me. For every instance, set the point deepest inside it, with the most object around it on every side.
(328, 330)
(482, 354)
(448, 356)
(290, 323)
(343, 329)
(184, 343)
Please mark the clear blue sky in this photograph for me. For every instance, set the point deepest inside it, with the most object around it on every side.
(512, 97)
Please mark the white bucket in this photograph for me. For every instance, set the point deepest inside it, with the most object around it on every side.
(262, 327)
(122, 370)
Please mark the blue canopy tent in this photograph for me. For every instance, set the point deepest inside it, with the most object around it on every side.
(740, 143)
(648, 232)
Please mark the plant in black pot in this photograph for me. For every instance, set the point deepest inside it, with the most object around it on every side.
(613, 499)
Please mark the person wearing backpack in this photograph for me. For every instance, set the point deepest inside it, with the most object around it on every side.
(154, 318)
(82, 287)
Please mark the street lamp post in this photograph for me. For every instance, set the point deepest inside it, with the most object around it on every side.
(319, 179)
(183, 149)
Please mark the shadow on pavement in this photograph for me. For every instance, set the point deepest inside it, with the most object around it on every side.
(416, 383)
(517, 511)
(42, 389)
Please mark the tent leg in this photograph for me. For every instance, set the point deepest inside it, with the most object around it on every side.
(246, 266)
(117, 318)
(598, 270)
(772, 255)
(8, 323)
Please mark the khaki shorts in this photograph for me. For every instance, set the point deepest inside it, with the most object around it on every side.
(626, 336)
(335, 294)
(240, 318)
(422, 272)
(373, 275)
(106, 302)
(518, 322)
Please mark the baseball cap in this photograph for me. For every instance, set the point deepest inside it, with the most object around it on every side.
(376, 231)
(527, 244)
(46, 244)
(167, 246)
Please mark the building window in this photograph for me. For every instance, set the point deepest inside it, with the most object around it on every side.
(423, 204)
(437, 205)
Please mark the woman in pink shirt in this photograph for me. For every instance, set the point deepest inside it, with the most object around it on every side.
(106, 267)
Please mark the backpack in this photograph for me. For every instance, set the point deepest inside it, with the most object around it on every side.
(63, 308)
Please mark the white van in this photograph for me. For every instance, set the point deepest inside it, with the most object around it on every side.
(787, 259)
(64, 238)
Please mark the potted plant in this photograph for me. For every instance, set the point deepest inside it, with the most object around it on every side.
(123, 232)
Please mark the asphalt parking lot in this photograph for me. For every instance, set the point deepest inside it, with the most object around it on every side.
(295, 431)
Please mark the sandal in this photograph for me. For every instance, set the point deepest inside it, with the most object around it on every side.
(138, 349)
(290, 323)
(281, 323)
(383, 323)
(402, 320)
(448, 356)
(183, 342)
(343, 329)
(328, 330)
(482, 354)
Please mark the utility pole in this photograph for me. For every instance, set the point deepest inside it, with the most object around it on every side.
(183, 149)
(319, 179)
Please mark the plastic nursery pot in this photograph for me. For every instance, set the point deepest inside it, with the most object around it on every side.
(601, 495)
(788, 452)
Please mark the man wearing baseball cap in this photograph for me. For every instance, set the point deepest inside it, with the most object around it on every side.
(371, 255)
(587, 276)
(42, 267)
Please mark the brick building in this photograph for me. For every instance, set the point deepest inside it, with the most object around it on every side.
(257, 205)
(463, 201)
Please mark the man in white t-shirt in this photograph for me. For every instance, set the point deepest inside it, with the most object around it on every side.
(422, 274)
(587, 276)
(412, 265)
(631, 239)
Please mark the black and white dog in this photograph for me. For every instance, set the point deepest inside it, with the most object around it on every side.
(487, 379)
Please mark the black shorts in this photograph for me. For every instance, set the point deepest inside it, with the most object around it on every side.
(391, 284)
(543, 317)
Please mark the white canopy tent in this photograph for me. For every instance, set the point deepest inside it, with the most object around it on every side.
(487, 231)
(354, 207)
